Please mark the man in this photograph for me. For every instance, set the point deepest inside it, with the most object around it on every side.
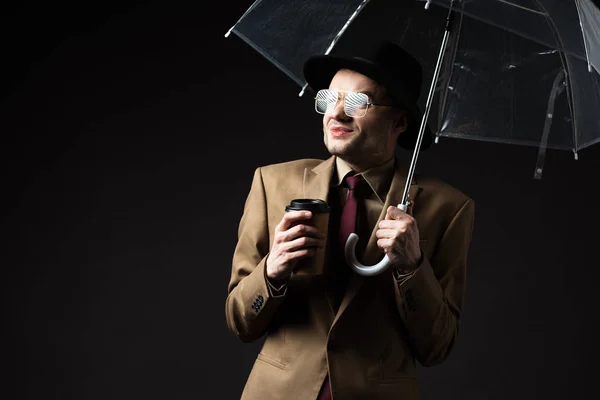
(341, 334)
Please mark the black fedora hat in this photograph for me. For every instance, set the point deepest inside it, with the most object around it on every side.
(389, 65)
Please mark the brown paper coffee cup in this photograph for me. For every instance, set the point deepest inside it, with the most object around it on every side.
(315, 264)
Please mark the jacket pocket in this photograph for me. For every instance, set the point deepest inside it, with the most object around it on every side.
(273, 351)
(269, 360)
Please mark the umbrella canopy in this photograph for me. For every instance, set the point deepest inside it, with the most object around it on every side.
(523, 72)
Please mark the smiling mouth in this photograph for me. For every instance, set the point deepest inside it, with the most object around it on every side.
(339, 132)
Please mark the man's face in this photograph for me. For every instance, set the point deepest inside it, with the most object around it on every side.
(368, 141)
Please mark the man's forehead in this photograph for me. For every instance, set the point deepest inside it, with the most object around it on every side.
(346, 79)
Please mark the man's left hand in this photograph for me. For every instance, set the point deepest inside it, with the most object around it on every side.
(398, 236)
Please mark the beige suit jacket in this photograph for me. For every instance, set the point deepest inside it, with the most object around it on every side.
(370, 346)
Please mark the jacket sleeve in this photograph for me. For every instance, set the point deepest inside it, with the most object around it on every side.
(430, 301)
(251, 303)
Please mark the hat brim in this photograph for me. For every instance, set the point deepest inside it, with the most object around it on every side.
(320, 70)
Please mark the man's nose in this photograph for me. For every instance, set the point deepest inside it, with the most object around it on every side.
(338, 112)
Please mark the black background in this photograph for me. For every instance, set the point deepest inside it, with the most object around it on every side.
(129, 135)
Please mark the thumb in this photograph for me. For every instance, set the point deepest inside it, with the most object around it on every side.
(408, 207)
(393, 213)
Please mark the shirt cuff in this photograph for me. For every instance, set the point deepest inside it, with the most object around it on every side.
(401, 278)
(275, 291)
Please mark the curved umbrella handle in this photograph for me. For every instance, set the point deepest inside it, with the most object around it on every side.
(355, 265)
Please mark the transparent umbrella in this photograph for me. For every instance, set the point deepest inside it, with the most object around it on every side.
(522, 72)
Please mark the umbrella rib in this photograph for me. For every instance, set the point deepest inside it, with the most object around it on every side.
(567, 69)
(262, 52)
(531, 37)
(494, 139)
(555, 91)
(585, 44)
(521, 7)
(452, 58)
(338, 36)
(242, 17)
(350, 19)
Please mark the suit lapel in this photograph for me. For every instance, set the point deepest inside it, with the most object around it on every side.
(373, 254)
(318, 180)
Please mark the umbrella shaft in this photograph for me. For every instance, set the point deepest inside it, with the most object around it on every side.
(438, 67)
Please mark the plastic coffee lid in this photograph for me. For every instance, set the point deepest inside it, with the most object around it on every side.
(314, 205)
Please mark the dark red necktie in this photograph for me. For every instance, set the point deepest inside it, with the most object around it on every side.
(353, 208)
(349, 223)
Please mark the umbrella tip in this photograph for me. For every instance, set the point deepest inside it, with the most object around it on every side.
(437, 139)
(303, 89)
(228, 33)
(427, 4)
(576, 155)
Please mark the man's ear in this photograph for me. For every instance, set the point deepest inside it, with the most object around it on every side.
(401, 122)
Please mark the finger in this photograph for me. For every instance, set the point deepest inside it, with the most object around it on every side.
(302, 243)
(385, 244)
(394, 213)
(301, 230)
(392, 224)
(386, 233)
(290, 218)
(303, 253)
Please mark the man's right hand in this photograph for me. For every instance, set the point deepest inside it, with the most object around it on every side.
(293, 240)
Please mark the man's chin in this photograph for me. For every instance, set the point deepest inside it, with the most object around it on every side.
(341, 141)
(342, 150)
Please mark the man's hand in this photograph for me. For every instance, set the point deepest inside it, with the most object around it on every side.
(398, 236)
(292, 241)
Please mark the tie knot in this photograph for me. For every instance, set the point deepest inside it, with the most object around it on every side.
(355, 181)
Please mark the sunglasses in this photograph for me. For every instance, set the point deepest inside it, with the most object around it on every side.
(356, 104)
